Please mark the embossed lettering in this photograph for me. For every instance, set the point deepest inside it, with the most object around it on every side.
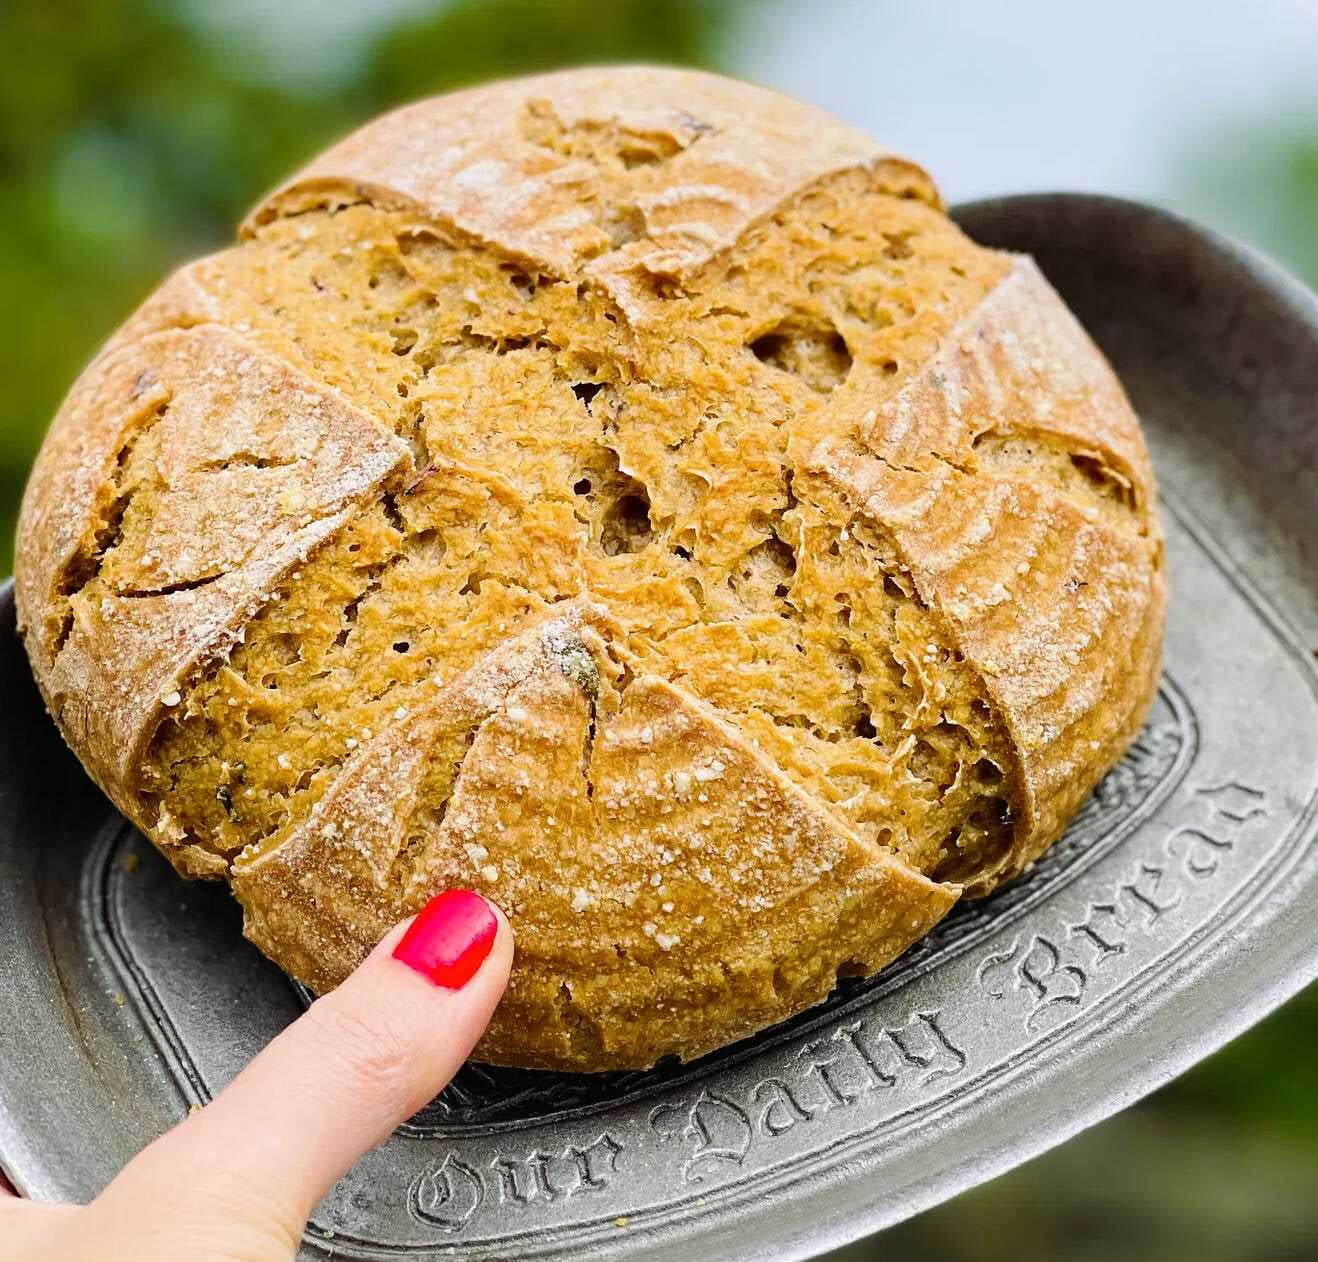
(1040, 971)
(829, 1067)
(993, 972)
(597, 1163)
(1200, 849)
(519, 1179)
(854, 1060)
(1143, 892)
(780, 1110)
(1235, 801)
(924, 1044)
(718, 1129)
(553, 1176)
(1053, 968)
(1105, 941)
(853, 1036)
(448, 1195)
(870, 1060)
(1049, 980)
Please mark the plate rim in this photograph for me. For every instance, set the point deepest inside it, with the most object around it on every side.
(863, 1217)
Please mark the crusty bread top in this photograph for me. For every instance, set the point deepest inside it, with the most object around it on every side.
(512, 168)
(624, 492)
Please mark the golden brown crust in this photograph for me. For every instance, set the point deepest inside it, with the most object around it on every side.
(256, 466)
(652, 859)
(504, 172)
(1059, 607)
(894, 604)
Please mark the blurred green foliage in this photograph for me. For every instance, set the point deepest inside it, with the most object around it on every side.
(1267, 192)
(1150, 1185)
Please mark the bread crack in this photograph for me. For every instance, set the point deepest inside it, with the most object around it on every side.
(84, 567)
(1079, 474)
(168, 589)
(621, 469)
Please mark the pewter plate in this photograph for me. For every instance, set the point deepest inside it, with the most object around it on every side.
(1178, 909)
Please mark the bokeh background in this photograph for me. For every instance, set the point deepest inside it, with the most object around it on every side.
(133, 134)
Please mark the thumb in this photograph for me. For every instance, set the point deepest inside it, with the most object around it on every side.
(333, 1085)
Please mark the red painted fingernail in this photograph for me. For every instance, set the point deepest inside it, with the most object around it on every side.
(450, 938)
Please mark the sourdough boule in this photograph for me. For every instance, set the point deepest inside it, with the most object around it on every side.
(624, 493)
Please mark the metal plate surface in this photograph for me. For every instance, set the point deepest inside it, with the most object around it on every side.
(1178, 909)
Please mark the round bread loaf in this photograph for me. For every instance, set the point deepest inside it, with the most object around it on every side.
(624, 493)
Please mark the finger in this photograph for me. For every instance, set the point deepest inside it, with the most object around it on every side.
(30, 1230)
(337, 1081)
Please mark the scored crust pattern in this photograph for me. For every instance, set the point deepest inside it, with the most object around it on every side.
(627, 494)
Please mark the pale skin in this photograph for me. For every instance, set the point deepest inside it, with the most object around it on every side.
(236, 1181)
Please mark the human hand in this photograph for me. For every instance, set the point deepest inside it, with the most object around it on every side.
(236, 1180)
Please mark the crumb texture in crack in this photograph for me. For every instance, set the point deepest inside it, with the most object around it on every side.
(223, 468)
(614, 819)
(561, 454)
